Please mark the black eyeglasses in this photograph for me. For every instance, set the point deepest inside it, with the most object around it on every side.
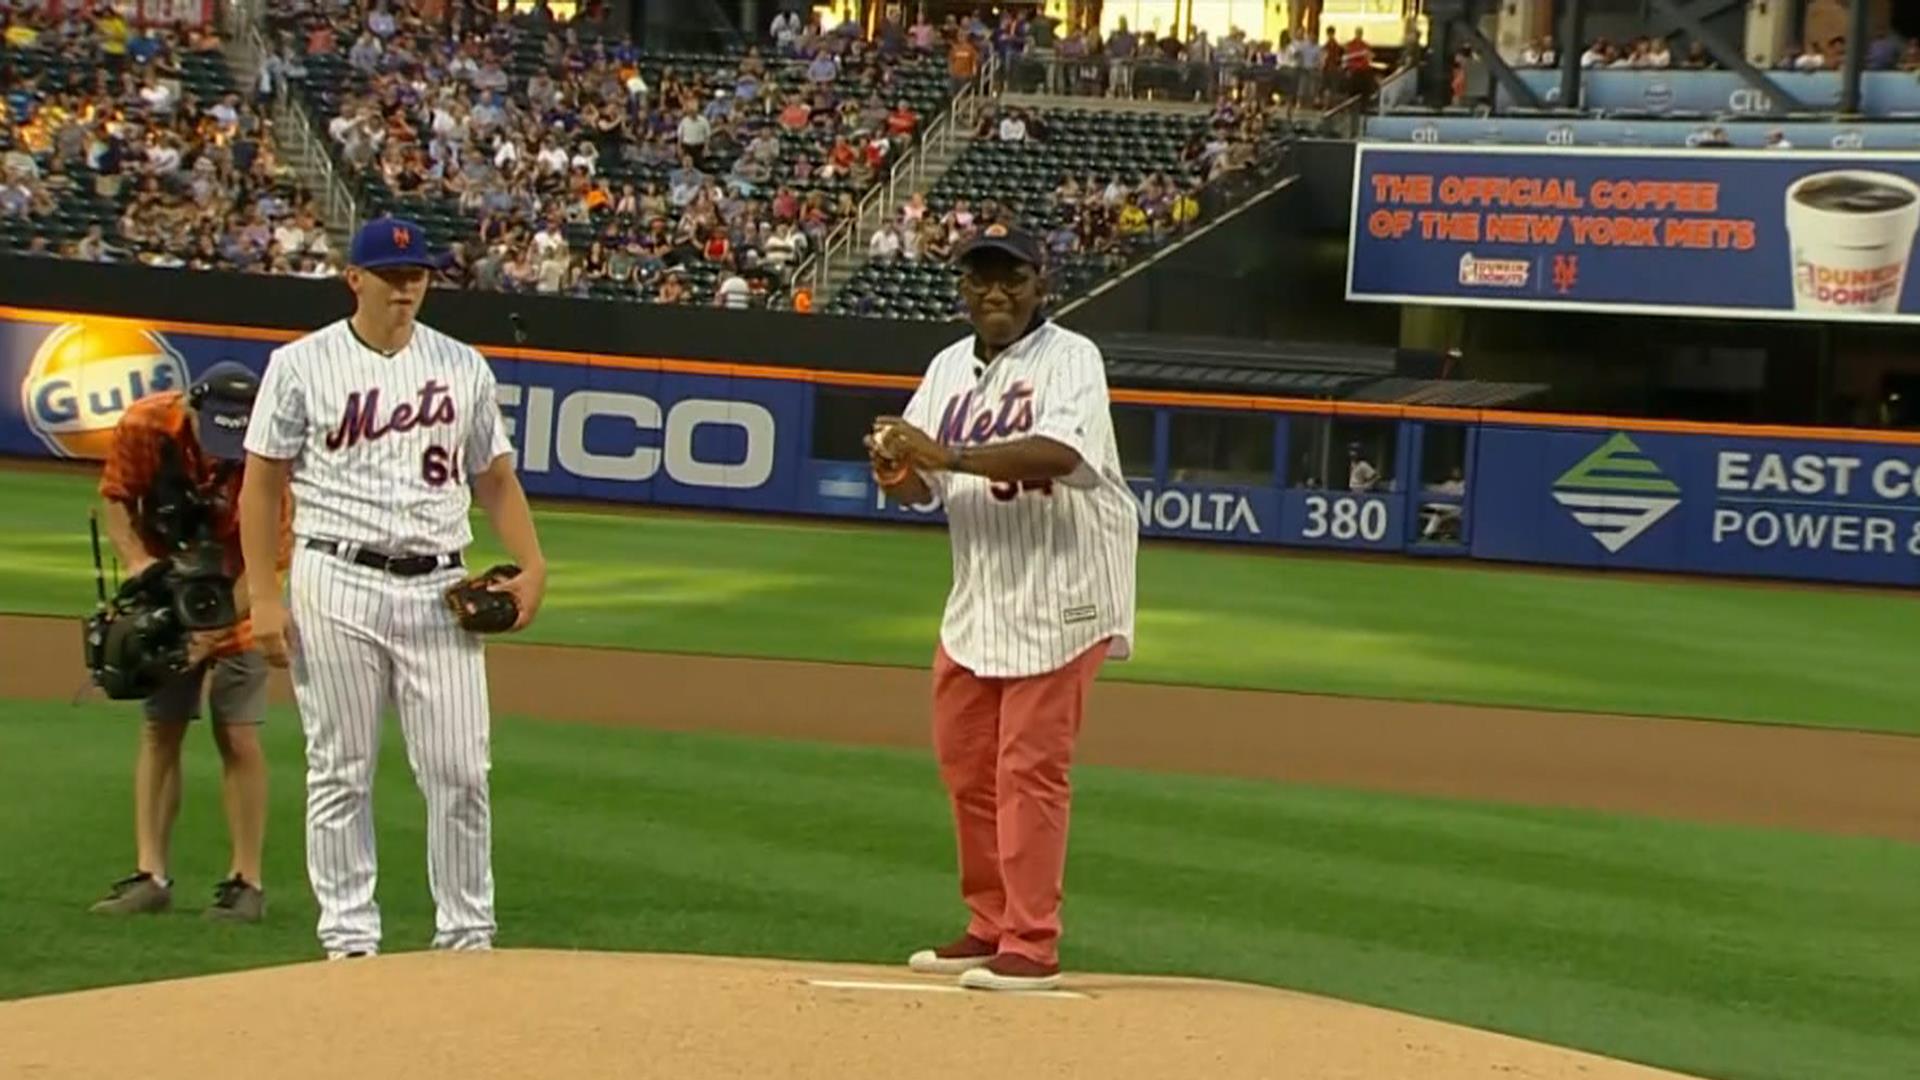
(1012, 278)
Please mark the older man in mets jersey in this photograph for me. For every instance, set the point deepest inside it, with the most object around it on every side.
(1011, 429)
(380, 423)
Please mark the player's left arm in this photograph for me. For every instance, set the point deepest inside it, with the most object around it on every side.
(496, 487)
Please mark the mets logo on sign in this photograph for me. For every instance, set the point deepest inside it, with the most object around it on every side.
(85, 374)
(1616, 493)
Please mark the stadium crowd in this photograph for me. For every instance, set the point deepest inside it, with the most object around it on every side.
(1087, 214)
(589, 168)
(1888, 52)
(1041, 53)
(123, 143)
(554, 157)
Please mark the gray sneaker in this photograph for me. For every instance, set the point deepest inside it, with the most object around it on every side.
(136, 894)
(236, 901)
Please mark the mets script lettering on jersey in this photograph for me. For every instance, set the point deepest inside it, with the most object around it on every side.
(361, 420)
(382, 445)
(1014, 417)
(1042, 570)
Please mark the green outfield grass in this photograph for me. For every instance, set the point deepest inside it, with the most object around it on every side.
(1720, 951)
(1268, 620)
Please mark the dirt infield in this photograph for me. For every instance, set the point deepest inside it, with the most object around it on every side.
(582, 1015)
(1812, 779)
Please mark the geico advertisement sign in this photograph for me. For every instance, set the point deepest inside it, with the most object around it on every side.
(551, 429)
(84, 375)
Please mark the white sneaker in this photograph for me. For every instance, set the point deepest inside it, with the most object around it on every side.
(1008, 972)
(963, 954)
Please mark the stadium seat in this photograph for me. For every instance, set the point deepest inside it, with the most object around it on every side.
(1021, 179)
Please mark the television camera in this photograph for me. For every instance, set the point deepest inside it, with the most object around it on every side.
(140, 637)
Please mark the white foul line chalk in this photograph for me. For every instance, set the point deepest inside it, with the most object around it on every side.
(930, 988)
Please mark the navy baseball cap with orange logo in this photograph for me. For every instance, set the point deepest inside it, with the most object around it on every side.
(223, 396)
(1006, 239)
(391, 241)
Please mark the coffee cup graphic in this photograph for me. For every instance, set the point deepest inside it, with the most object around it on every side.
(1851, 231)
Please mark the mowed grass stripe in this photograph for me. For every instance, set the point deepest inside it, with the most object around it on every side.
(1257, 620)
(1729, 952)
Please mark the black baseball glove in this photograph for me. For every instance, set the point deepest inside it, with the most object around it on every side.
(483, 610)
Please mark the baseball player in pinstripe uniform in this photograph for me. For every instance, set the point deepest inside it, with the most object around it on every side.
(1011, 428)
(380, 424)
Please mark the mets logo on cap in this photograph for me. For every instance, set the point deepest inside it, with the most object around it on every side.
(85, 374)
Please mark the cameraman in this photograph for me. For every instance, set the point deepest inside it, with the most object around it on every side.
(175, 467)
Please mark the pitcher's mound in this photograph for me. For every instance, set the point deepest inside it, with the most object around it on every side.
(528, 1013)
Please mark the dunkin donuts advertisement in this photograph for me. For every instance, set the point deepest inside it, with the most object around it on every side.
(1786, 234)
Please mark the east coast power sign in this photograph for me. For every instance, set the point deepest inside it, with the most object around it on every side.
(1832, 510)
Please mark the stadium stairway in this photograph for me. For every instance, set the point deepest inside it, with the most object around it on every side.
(1090, 136)
(294, 136)
(937, 154)
(940, 144)
(918, 171)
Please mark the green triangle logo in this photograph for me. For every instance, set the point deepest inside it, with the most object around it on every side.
(1617, 465)
(1616, 493)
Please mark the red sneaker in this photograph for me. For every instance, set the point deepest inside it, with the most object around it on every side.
(1008, 971)
(961, 954)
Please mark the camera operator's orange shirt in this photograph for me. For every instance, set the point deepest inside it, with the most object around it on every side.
(134, 461)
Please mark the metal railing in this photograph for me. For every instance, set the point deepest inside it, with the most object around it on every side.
(341, 209)
(1146, 80)
(1215, 201)
(1046, 71)
(1400, 88)
(905, 175)
(1345, 119)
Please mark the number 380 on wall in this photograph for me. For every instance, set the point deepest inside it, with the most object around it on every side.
(1345, 518)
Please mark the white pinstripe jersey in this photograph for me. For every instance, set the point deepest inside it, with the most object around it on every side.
(382, 446)
(1040, 572)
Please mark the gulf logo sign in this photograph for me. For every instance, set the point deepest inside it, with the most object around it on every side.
(85, 374)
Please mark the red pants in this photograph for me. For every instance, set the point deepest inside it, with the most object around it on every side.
(1004, 747)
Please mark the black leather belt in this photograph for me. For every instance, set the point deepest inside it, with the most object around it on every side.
(400, 565)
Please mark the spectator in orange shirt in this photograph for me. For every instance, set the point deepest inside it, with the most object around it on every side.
(841, 157)
(796, 115)
(963, 63)
(204, 431)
